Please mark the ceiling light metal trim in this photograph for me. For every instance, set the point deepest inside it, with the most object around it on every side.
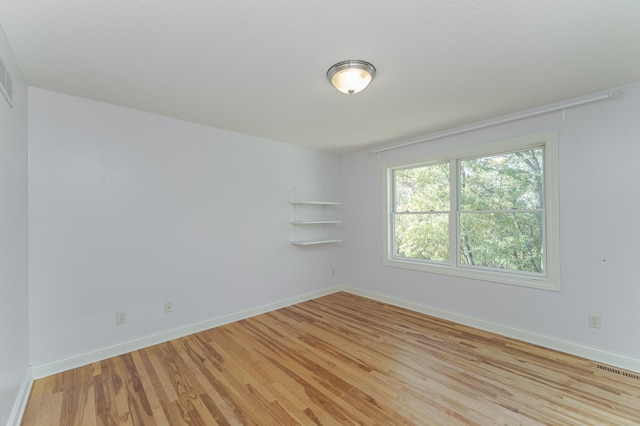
(351, 76)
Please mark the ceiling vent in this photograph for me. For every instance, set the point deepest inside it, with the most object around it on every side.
(6, 84)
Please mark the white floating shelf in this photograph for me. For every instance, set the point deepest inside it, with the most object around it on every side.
(313, 242)
(317, 203)
(313, 222)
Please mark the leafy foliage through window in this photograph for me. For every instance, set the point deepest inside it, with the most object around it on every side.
(485, 213)
(422, 212)
(500, 214)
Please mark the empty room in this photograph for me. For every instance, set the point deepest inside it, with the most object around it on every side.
(319, 213)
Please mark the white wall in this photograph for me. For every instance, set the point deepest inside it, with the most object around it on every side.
(129, 210)
(599, 160)
(13, 239)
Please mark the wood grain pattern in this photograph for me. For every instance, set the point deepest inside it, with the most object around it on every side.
(338, 360)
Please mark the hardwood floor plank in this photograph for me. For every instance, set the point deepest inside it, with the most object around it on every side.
(171, 415)
(115, 373)
(37, 400)
(89, 413)
(339, 360)
(154, 406)
(104, 414)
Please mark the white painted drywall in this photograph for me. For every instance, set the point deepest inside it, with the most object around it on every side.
(599, 163)
(14, 357)
(129, 210)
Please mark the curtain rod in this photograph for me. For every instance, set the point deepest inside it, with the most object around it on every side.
(610, 95)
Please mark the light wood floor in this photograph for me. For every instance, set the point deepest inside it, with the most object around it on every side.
(338, 360)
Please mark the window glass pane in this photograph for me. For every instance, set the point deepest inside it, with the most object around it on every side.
(502, 182)
(511, 240)
(422, 236)
(422, 189)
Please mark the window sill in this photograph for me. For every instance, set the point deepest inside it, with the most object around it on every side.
(542, 283)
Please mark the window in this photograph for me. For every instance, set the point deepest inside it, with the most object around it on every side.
(486, 212)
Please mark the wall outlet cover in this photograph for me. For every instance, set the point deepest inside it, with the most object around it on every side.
(595, 321)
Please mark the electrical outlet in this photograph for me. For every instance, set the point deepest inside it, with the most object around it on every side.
(121, 318)
(168, 307)
(333, 272)
(595, 321)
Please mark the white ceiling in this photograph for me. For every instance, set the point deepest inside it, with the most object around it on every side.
(258, 67)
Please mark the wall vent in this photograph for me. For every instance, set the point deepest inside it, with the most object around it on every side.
(6, 84)
(614, 370)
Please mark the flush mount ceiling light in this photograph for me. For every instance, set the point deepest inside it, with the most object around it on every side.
(351, 76)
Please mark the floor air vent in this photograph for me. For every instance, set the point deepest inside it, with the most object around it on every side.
(6, 84)
(614, 370)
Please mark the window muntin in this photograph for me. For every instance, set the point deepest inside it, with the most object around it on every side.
(487, 212)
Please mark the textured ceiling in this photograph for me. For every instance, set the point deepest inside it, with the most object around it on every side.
(258, 67)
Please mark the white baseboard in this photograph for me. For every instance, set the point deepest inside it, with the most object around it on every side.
(15, 417)
(54, 367)
(597, 355)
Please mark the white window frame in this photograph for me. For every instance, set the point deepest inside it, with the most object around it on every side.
(549, 279)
